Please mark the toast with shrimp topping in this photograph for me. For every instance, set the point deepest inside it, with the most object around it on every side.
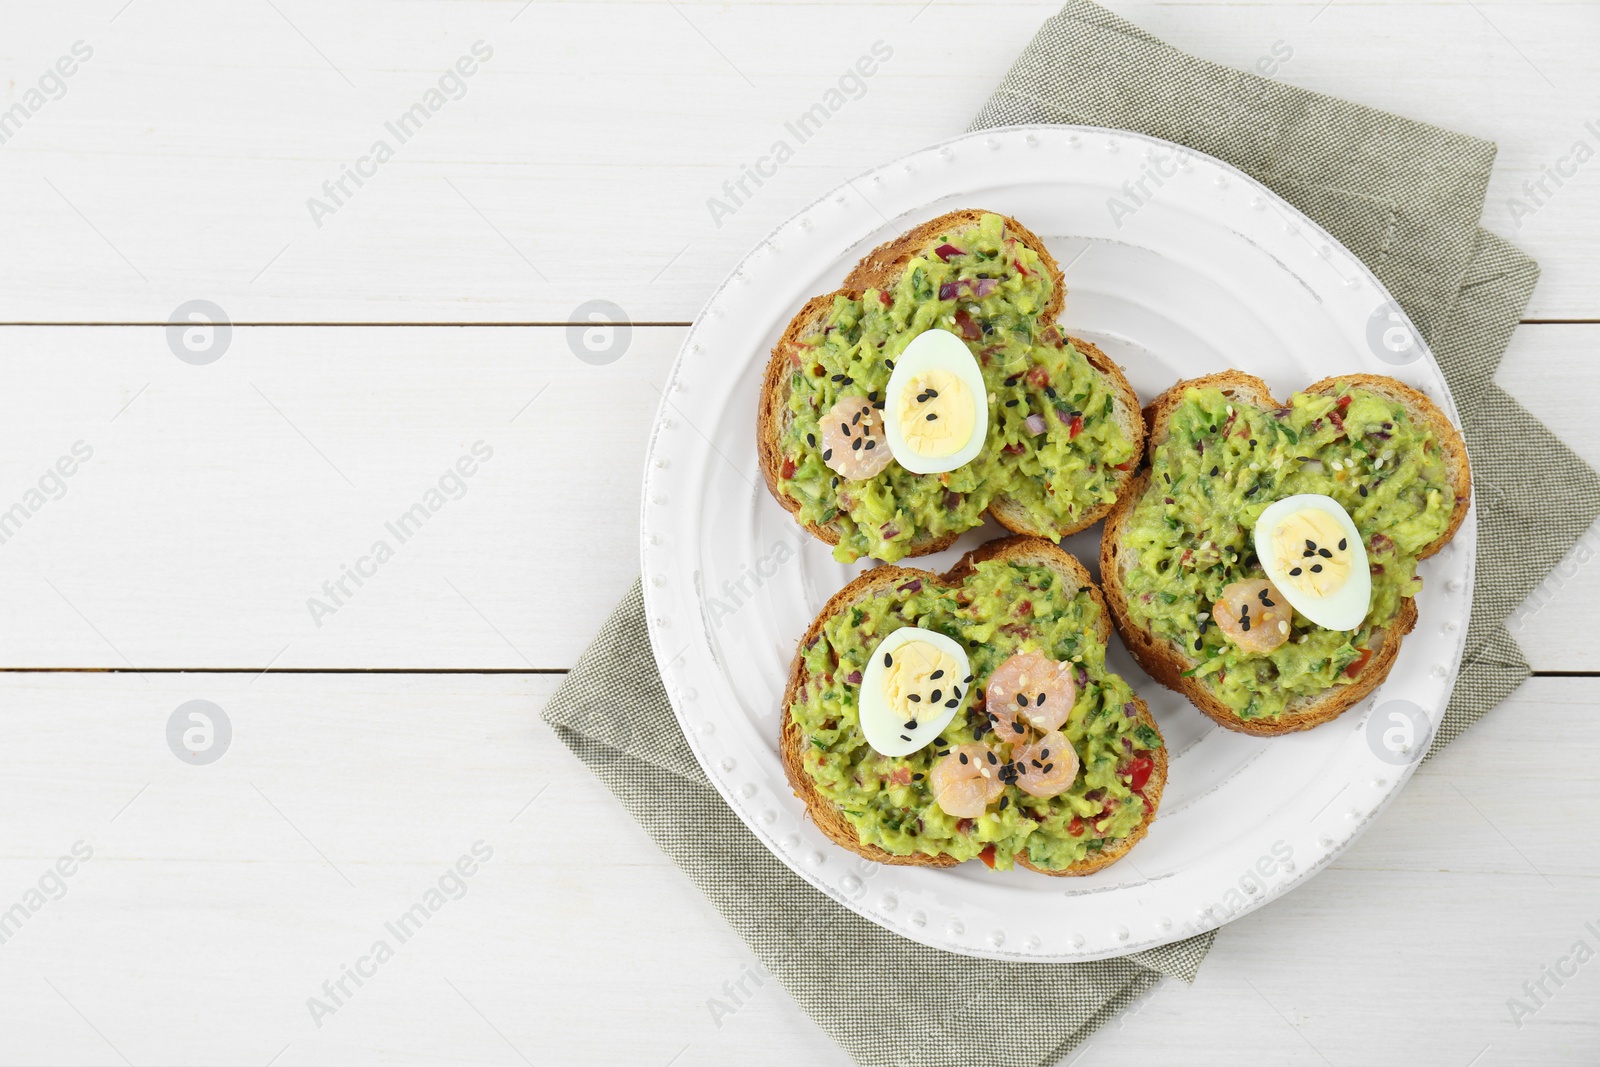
(1049, 761)
(1063, 431)
(1181, 554)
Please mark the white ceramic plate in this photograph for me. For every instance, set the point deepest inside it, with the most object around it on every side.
(1201, 270)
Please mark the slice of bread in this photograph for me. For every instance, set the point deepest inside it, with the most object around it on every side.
(883, 580)
(1166, 661)
(881, 269)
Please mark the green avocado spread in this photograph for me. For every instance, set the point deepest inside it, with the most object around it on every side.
(1057, 473)
(1222, 464)
(1000, 609)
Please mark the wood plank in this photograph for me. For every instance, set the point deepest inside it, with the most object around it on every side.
(220, 897)
(159, 178)
(219, 499)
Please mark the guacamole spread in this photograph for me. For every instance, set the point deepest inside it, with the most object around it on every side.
(1221, 465)
(988, 289)
(1002, 608)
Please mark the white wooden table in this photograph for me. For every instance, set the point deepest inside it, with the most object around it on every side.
(386, 332)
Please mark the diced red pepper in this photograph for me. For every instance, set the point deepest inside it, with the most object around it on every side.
(965, 826)
(1360, 662)
(788, 469)
(1128, 466)
(945, 251)
(885, 299)
(1138, 772)
(987, 856)
(1038, 376)
(1024, 271)
(1075, 827)
(1015, 449)
(1025, 608)
(1075, 427)
(969, 328)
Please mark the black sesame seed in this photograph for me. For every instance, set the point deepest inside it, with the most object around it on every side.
(1036, 763)
(811, 439)
(910, 724)
(1198, 644)
(933, 392)
(935, 695)
(1269, 603)
(1050, 391)
(845, 428)
(871, 445)
(915, 698)
(932, 415)
(1003, 802)
(855, 446)
(963, 757)
(1343, 544)
(951, 703)
(1214, 471)
(1013, 402)
(847, 380)
(992, 758)
(1022, 700)
(968, 678)
(1244, 624)
(1361, 489)
(1018, 727)
(1316, 568)
(1039, 700)
(889, 363)
(1312, 545)
(837, 378)
(1324, 553)
(936, 675)
(827, 454)
(1044, 753)
(1252, 442)
(855, 418)
(1048, 767)
(1295, 573)
(917, 777)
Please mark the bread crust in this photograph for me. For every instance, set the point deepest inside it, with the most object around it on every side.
(879, 580)
(1166, 661)
(880, 269)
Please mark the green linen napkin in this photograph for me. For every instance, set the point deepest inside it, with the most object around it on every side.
(1403, 196)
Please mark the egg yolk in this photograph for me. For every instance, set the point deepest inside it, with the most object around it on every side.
(920, 677)
(936, 414)
(1311, 546)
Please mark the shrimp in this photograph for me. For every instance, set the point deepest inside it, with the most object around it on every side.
(1046, 767)
(853, 444)
(1030, 687)
(967, 781)
(1254, 615)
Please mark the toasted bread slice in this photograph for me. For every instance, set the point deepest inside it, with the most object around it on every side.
(1166, 661)
(882, 580)
(880, 269)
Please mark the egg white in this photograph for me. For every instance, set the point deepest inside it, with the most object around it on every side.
(1347, 607)
(884, 728)
(935, 349)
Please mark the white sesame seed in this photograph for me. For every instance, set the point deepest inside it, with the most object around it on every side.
(1283, 627)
